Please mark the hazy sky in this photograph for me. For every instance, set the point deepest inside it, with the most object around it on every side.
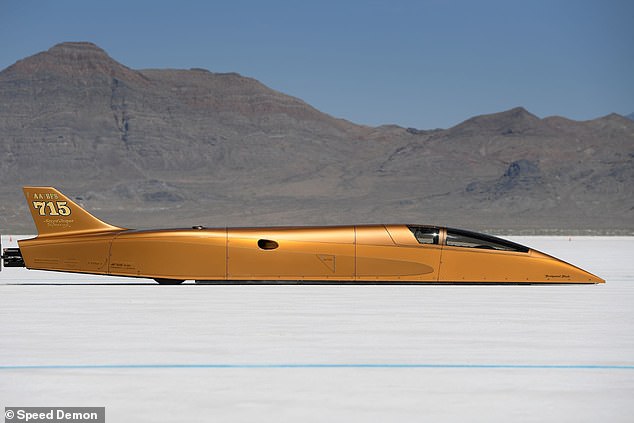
(422, 64)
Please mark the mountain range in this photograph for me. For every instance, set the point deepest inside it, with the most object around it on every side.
(173, 148)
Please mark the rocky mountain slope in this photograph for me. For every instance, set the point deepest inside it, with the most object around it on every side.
(164, 148)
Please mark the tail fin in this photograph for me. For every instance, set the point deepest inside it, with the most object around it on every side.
(54, 213)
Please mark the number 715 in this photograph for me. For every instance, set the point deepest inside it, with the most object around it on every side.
(57, 208)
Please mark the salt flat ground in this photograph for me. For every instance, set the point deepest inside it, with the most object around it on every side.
(203, 353)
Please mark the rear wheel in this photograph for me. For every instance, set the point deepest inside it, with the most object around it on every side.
(163, 281)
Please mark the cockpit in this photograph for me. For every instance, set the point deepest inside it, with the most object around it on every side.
(461, 238)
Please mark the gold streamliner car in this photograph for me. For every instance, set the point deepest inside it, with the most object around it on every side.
(72, 240)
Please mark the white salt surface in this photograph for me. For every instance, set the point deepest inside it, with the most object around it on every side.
(567, 352)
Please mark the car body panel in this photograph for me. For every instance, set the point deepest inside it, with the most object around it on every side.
(71, 239)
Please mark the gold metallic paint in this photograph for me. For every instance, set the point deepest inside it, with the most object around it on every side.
(371, 253)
